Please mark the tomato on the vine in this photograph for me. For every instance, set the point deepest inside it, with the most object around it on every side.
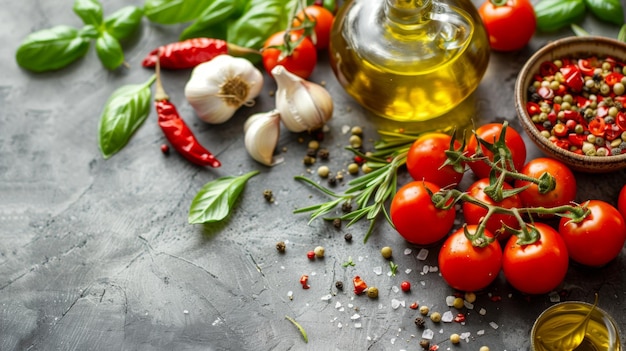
(323, 19)
(598, 239)
(415, 216)
(564, 191)
(300, 61)
(474, 213)
(427, 156)
(510, 24)
(621, 202)
(539, 267)
(491, 133)
(466, 267)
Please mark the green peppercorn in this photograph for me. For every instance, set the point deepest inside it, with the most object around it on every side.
(484, 348)
(455, 338)
(435, 317)
(353, 168)
(319, 252)
(356, 130)
(458, 303)
(372, 292)
(386, 252)
(424, 310)
(314, 144)
(323, 171)
(618, 88)
(470, 297)
(355, 141)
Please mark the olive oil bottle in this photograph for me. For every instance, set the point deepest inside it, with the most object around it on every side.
(409, 60)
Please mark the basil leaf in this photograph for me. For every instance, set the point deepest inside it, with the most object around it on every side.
(90, 11)
(174, 11)
(123, 22)
(621, 36)
(261, 19)
(51, 49)
(109, 51)
(607, 10)
(126, 109)
(215, 200)
(556, 14)
(215, 14)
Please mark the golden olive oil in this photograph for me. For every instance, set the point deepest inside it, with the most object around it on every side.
(600, 333)
(405, 62)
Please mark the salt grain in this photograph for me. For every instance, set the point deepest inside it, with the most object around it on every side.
(450, 300)
(327, 297)
(395, 289)
(554, 297)
(395, 304)
(425, 269)
(393, 341)
(339, 325)
(408, 270)
(186, 312)
(465, 336)
(378, 270)
(493, 325)
(355, 316)
(357, 325)
(407, 251)
(433, 269)
(428, 334)
(422, 254)
(482, 311)
(447, 317)
(338, 304)
(468, 305)
(480, 332)
(345, 129)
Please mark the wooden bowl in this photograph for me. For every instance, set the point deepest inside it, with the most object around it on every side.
(567, 47)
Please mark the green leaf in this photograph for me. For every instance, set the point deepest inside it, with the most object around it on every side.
(215, 200)
(109, 51)
(123, 22)
(621, 36)
(125, 111)
(302, 331)
(261, 19)
(51, 49)
(174, 11)
(90, 11)
(216, 14)
(607, 10)
(556, 14)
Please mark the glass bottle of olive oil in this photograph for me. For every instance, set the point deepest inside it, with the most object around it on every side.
(409, 60)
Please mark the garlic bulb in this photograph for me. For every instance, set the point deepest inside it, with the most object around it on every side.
(217, 88)
(261, 136)
(303, 105)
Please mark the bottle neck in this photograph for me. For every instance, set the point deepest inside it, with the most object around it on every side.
(407, 14)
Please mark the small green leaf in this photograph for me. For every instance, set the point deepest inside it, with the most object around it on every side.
(302, 331)
(174, 11)
(125, 111)
(109, 51)
(53, 48)
(621, 36)
(578, 30)
(90, 11)
(123, 22)
(394, 268)
(215, 200)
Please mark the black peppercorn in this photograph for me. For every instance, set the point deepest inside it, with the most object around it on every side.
(346, 206)
(419, 322)
(280, 246)
(339, 285)
(337, 223)
(323, 154)
(425, 344)
(348, 237)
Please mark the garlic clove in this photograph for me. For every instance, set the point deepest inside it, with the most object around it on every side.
(303, 105)
(217, 88)
(261, 136)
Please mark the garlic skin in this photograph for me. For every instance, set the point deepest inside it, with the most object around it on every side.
(261, 136)
(217, 88)
(303, 105)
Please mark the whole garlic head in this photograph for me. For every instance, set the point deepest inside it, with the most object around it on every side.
(303, 105)
(261, 136)
(217, 88)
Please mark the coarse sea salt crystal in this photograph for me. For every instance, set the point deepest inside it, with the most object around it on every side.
(450, 300)
(465, 336)
(482, 311)
(395, 303)
(554, 297)
(468, 305)
(422, 254)
(355, 316)
(433, 269)
(425, 269)
(345, 129)
(428, 334)
(407, 251)
(447, 317)
(290, 294)
(339, 325)
(327, 297)
(378, 270)
(357, 325)
(408, 270)
(493, 325)
(395, 289)
(338, 304)
(480, 332)
(393, 341)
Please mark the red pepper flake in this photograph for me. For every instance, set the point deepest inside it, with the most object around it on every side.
(304, 280)
(359, 160)
(359, 285)
(495, 298)
(414, 306)
(433, 348)
(460, 318)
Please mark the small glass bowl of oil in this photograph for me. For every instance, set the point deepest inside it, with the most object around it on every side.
(564, 320)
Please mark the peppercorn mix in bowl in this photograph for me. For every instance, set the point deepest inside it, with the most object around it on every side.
(570, 98)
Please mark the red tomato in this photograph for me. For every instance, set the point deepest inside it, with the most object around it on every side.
(416, 218)
(598, 239)
(539, 267)
(621, 202)
(562, 194)
(473, 214)
(491, 133)
(511, 25)
(323, 24)
(300, 62)
(467, 267)
(427, 155)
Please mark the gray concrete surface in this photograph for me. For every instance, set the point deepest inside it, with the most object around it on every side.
(97, 254)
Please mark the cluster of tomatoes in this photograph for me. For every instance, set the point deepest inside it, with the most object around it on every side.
(470, 262)
(296, 48)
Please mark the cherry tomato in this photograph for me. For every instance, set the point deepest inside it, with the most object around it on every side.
(510, 24)
(539, 267)
(427, 155)
(467, 267)
(474, 213)
(415, 216)
(300, 62)
(562, 194)
(598, 239)
(621, 202)
(323, 24)
(491, 133)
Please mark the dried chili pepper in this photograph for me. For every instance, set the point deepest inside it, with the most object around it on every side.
(304, 280)
(176, 130)
(192, 52)
(359, 285)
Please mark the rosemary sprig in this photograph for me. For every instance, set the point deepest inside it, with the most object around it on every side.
(370, 191)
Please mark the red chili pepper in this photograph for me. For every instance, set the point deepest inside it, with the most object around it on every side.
(548, 68)
(613, 78)
(573, 77)
(359, 285)
(559, 130)
(460, 318)
(620, 120)
(533, 108)
(304, 280)
(414, 305)
(576, 139)
(596, 126)
(586, 66)
(191, 52)
(612, 131)
(177, 132)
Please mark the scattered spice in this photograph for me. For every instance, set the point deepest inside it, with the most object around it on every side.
(308, 160)
(424, 310)
(314, 144)
(339, 285)
(332, 181)
(359, 284)
(311, 152)
(310, 255)
(165, 149)
(348, 263)
(413, 305)
(268, 195)
(353, 168)
(425, 344)
(435, 317)
(356, 130)
(372, 292)
(348, 236)
(470, 297)
(355, 141)
(323, 171)
(337, 224)
(394, 268)
(484, 348)
(304, 280)
(280, 246)
(458, 303)
(323, 154)
(455, 338)
(420, 322)
(319, 252)
(460, 318)
(386, 252)
(346, 207)
(405, 286)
